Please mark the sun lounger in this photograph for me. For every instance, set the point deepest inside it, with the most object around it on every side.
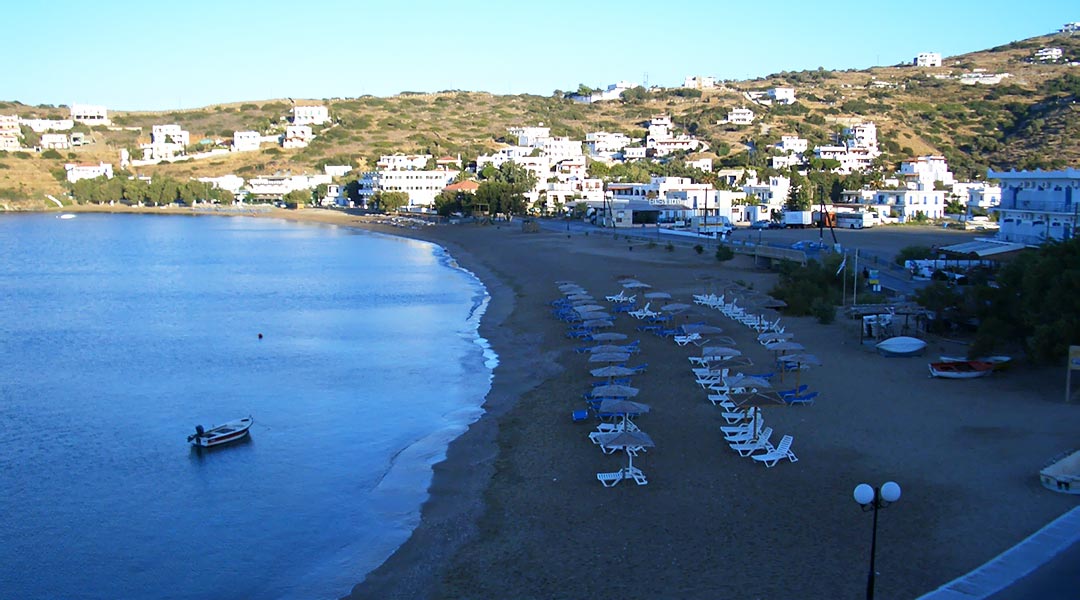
(635, 474)
(610, 479)
(782, 451)
(748, 435)
(803, 399)
(747, 426)
(749, 448)
(683, 340)
(643, 312)
(579, 415)
(731, 417)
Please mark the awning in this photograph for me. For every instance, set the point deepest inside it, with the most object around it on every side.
(983, 248)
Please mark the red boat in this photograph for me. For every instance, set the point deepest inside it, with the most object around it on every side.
(965, 369)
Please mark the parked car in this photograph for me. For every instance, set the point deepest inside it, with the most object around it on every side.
(761, 225)
(809, 245)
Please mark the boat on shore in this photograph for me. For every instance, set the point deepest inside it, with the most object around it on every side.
(901, 346)
(1062, 474)
(220, 434)
(966, 369)
(1000, 362)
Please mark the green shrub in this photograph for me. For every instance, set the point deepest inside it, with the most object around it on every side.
(20, 154)
(823, 311)
(670, 247)
(723, 253)
(699, 248)
(913, 253)
(50, 153)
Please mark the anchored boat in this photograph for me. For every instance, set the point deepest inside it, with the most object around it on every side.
(220, 434)
(966, 369)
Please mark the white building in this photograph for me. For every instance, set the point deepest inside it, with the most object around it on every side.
(905, 205)
(274, 187)
(504, 155)
(297, 136)
(701, 164)
(782, 95)
(983, 195)
(980, 76)
(1037, 206)
(773, 194)
(166, 143)
(740, 116)
(1049, 54)
(403, 162)
(699, 83)
(90, 114)
(635, 152)
(924, 172)
(55, 141)
(337, 170)
(43, 125)
(602, 143)
(421, 186)
(660, 127)
(230, 183)
(858, 152)
(76, 172)
(9, 125)
(612, 92)
(792, 144)
(560, 148)
(533, 137)
(246, 141)
(310, 115)
(677, 197)
(928, 59)
(1070, 27)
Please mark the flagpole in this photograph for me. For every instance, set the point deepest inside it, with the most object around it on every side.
(855, 281)
(843, 284)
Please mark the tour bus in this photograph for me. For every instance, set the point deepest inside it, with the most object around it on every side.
(855, 220)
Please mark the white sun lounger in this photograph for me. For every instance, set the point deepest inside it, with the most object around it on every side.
(782, 451)
(610, 479)
(748, 435)
(748, 448)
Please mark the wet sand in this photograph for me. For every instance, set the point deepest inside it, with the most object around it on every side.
(516, 510)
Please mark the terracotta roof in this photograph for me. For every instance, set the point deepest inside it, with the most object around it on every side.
(463, 186)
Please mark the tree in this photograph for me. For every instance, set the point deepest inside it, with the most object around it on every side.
(390, 201)
(799, 195)
(297, 198)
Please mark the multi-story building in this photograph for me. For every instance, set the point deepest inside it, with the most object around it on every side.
(55, 141)
(1049, 54)
(230, 183)
(532, 137)
(927, 59)
(772, 194)
(246, 141)
(310, 115)
(602, 143)
(560, 148)
(1037, 206)
(924, 172)
(76, 172)
(699, 83)
(984, 196)
(297, 136)
(421, 186)
(782, 95)
(403, 162)
(740, 116)
(43, 125)
(166, 143)
(858, 151)
(905, 205)
(9, 125)
(90, 114)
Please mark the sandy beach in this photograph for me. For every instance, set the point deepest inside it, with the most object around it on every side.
(516, 510)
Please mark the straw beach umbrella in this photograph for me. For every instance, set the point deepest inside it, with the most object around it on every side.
(590, 316)
(623, 407)
(608, 337)
(800, 360)
(633, 285)
(609, 357)
(584, 308)
(594, 323)
(614, 391)
(626, 440)
(700, 329)
(675, 307)
(612, 371)
(658, 296)
(608, 349)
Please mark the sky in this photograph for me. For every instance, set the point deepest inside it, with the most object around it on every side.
(168, 55)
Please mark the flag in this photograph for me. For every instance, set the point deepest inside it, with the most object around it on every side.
(843, 264)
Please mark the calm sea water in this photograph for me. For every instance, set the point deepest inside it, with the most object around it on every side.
(118, 334)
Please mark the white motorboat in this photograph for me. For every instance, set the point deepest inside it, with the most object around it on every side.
(901, 346)
(220, 434)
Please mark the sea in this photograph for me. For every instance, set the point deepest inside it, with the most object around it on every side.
(120, 333)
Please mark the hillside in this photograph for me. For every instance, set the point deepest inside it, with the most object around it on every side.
(1030, 119)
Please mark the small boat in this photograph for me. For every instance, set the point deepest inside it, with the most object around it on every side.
(66, 216)
(220, 434)
(901, 346)
(1000, 362)
(1062, 474)
(965, 369)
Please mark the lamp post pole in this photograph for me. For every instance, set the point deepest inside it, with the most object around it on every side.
(874, 499)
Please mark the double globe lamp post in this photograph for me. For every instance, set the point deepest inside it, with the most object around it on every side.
(872, 499)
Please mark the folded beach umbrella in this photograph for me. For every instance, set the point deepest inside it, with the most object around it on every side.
(607, 337)
(609, 357)
(611, 371)
(615, 391)
(700, 329)
(584, 308)
(658, 296)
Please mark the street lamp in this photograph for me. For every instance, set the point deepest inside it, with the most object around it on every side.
(873, 499)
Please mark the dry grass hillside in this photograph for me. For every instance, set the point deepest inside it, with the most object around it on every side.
(1030, 119)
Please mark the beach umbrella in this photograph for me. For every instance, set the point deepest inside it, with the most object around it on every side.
(580, 298)
(626, 440)
(747, 381)
(569, 286)
(772, 337)
(658, 296)
(609, 357)
(785, 346)
(594, 323)
(612, 371)
(700, 328)
(608, 337)
(636, 285)
(800, 360)
(574, 290)
(584, 308)
(608, 349)
(771, 302)
(675, 307)
(625, 280)
(623, 407)
(614, 391)
(593, 316)
(719, 353)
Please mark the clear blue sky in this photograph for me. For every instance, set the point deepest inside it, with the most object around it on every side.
(164, 55)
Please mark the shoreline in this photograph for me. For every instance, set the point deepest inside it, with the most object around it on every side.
(509, 517)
